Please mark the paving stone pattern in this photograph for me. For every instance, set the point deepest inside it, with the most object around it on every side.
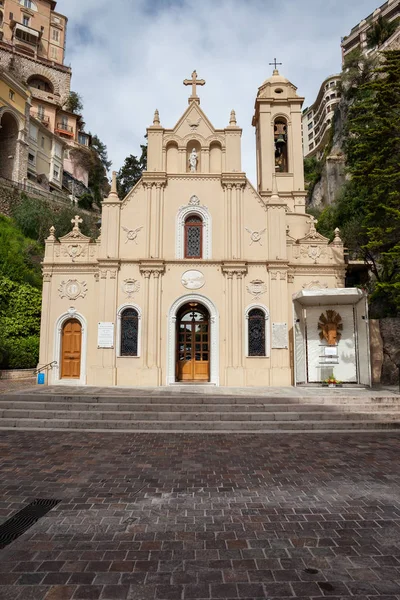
(153, 516)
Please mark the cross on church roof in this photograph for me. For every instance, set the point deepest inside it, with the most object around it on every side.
(275, 64)
(194, 82)
(76, 221)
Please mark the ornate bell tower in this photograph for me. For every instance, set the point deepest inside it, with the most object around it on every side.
(277, 120)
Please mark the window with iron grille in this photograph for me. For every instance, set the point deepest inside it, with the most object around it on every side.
(129, 332)
(256, 333)
(193, 236)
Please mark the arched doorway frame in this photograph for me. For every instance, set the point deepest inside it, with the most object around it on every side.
(55, 373)
(20, 145)
(171, 341)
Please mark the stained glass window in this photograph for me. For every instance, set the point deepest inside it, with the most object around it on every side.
(193, 236)
(129, 332)
(256, 332)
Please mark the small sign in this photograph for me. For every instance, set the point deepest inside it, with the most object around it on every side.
(331, 351)
(40, 378)
(105, 335)
(280, 337)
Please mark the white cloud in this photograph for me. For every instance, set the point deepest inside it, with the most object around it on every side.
(130, 56)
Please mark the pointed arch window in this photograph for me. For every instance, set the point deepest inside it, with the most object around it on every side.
(193, 236)
(129, 332)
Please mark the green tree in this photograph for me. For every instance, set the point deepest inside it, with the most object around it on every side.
(131, 171)
(20, 306)
(34, 218)
(101, 151)
(380, 31)
(358, 69)
(74, 103)
(373, 158)
(19, 256)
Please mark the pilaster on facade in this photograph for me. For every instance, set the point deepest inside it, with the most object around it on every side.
(154, 178)
(231, 268)
(154, 268)
(233, 180)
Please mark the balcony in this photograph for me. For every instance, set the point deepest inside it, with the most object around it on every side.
(44, 119)
(65, 129)
(26, 34)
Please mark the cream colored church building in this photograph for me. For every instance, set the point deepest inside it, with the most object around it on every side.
(199, 276)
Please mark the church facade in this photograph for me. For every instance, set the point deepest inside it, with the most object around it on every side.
(193, 275)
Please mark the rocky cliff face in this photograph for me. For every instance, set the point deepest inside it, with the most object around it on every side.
(333, 174)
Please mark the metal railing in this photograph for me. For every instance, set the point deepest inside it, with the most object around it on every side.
(65, 127)
(46, 367)
(41, 117)
(34, 191)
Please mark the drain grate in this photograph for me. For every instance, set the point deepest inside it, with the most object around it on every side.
(24, 519)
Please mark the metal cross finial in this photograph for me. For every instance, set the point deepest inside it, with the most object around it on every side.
(76, 222)
(275, 64)
(194, 82)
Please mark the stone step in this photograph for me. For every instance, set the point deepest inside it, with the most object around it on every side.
(195, 416)
(197, 399)
(197, 426)
(206, 408)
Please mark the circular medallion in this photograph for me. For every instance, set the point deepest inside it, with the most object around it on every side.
(193, 280)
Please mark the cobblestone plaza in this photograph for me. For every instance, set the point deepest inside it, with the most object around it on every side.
(203, 516)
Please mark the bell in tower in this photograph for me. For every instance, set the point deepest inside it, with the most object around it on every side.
(277, 120)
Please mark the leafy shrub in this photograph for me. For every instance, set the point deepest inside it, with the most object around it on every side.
(19, 256)
(20, 353)
(35, 217)
(20, 306)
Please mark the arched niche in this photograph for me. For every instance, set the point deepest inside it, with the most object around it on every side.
(172, 153)
(9, 131)
(215, 157)
(193, 145)
(281, 145)
(41, 83)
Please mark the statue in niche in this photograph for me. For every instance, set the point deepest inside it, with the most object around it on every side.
(193, 160)
(280, 141)
(330, 325)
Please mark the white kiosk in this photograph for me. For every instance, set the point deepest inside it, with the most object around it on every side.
(331, 336)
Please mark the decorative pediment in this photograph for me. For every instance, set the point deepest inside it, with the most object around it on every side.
(313, 236)
(193, 122)
(76, 234)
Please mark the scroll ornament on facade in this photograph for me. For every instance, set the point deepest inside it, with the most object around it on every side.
(255, 236)
(131, 234)
(330, 325)
(257, 288)
(73, 289)
(130, 287)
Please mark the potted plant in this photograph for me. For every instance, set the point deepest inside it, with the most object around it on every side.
(331, 381)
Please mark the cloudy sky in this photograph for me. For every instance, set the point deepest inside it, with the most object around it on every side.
(130, 56)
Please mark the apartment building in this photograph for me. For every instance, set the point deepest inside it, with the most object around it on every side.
(32, 48)
(317, 118)
(34, 28)
(29, 151)
(357, 38)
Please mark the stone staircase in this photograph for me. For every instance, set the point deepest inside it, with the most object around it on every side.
(186, 411)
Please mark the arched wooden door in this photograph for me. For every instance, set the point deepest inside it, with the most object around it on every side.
(71, 349)
(193, 343)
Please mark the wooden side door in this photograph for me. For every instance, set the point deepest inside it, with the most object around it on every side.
(71, 350)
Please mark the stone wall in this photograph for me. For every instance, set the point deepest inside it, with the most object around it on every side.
(9, 196)
(24, 67)
(390, 333)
